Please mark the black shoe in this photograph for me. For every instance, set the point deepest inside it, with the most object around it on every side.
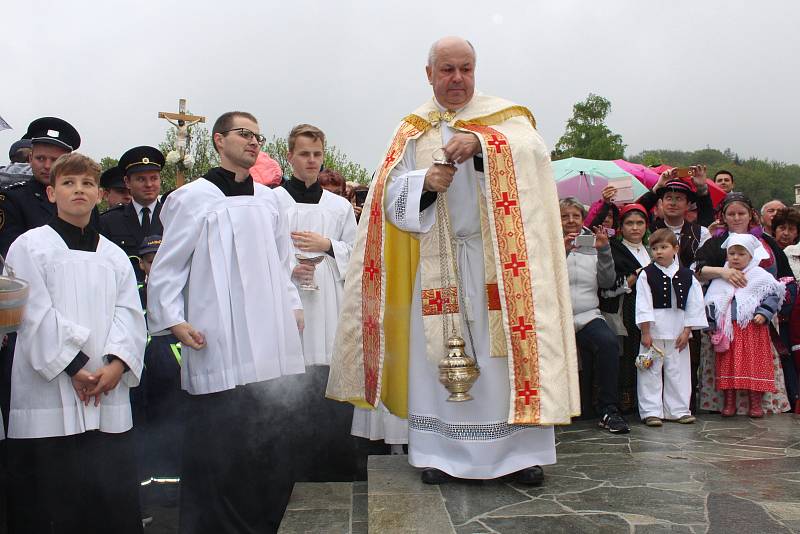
(531, 476)
(434, 476)
(613, 421)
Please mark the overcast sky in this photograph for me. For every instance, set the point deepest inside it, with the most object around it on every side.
(680, 74)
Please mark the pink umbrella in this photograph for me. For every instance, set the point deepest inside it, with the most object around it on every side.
(644, 174)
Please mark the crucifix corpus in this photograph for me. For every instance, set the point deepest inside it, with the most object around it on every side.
(181, 121)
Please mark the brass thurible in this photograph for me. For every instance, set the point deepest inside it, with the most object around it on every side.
(458, 371)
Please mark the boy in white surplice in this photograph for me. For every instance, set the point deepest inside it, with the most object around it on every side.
(79, 350)
(323, 228)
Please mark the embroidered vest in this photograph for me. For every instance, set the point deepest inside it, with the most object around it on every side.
(661, 286)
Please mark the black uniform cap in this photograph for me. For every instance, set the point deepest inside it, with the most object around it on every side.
(141, 159)
(17, 146)
(112, 177)
(53, 131)
(150, 244)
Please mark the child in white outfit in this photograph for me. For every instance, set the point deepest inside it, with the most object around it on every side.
(669, 305)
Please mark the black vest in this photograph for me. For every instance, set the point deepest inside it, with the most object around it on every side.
(661, 286)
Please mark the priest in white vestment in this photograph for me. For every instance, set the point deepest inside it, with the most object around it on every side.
(479, 161)
(221, 283)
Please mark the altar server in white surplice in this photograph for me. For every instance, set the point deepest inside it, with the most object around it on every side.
(221, 283)
(323, 228)
(480, 159)
(79, 350)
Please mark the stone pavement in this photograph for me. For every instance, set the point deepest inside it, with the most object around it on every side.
(718, 475)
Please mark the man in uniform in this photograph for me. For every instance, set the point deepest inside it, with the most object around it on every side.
(114, 189)
(24, 205)
(466, 182)
(128, 224)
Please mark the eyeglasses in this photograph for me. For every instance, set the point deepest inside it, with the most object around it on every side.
(247, 134)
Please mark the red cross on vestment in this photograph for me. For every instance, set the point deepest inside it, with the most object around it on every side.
(506, 204)
(522, 328)
(527, 392)
(514, 265)
(390, 157)
(497, 143)
(438, 301)
(371, 270)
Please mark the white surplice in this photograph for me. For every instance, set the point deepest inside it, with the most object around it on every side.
(333, 218)
(79, 301)
(465, 439)
(224, 266)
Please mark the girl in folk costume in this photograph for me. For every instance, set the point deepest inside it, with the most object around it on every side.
(631, 254)
(737, 216)
(741, 316)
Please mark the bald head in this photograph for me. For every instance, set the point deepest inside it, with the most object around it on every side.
(449, 42)
(451, 72)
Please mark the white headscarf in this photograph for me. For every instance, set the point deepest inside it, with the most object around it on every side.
(760, 284)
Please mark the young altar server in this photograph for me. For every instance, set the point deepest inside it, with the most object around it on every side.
(669, 305)
(323, 228)
(79, 351)
(221, 284)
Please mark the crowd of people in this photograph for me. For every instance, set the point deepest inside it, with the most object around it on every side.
(204, 335)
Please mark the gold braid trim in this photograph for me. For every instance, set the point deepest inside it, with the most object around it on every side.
(418, 122)
(498, 117)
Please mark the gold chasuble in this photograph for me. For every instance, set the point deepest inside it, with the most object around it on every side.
(530, 315)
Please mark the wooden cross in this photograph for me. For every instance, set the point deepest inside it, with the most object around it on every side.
(181, 121)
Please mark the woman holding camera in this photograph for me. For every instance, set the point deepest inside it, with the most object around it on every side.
(591, 267)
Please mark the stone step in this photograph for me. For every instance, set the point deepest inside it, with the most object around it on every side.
(321, 507)
(400, 502)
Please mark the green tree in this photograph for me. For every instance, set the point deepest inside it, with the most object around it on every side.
(335, 159)
(108, 162)
(587, 135)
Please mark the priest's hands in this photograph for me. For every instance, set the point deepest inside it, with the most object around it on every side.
(300, 320)
(439, 177)
(311, 242)
(187, 335)
(461, 147)
(107, 378)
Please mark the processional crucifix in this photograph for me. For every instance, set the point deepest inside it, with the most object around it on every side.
(181, 121)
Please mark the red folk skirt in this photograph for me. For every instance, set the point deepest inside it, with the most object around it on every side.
(747, 364)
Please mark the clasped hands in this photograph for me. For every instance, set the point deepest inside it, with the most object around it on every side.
(92, 385)
(460, 148)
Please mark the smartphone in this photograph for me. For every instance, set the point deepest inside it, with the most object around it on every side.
(360, 196)
(683, 172)
(585, 240)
